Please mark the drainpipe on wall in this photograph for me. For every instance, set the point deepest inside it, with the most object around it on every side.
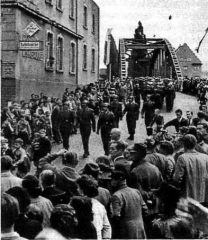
(77, 44)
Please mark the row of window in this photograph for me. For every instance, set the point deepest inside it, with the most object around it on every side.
(50, 59)
(59, 6)
(185, 59)
(185, 68)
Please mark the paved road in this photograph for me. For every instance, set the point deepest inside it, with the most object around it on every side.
(182, 101)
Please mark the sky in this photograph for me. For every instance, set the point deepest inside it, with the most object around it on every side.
(187, 25)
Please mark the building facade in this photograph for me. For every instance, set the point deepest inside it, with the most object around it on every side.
(48, 45)
(189, 62)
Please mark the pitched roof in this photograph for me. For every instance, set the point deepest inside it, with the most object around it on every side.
(185, 51)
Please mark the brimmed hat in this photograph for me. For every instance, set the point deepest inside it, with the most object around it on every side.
(138, 147)
(118, 175)
(42, 131)
(4, 140)
(91, 169)
(19, 140)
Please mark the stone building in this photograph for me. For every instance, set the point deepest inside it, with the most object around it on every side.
(48, 45)
(189, 62)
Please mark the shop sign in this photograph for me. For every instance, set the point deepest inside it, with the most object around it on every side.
(36, 55)
(31, 45)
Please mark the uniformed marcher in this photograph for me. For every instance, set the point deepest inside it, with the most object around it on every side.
(116, 108)
(86, 120)
(67, 119)
(132, 110)
(148, 110)
(106, 122)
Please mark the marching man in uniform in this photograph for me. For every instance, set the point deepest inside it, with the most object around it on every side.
(86, 119)
(106, 122)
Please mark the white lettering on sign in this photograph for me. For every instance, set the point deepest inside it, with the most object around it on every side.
(36, 55)
(29, 46)
(31, 28)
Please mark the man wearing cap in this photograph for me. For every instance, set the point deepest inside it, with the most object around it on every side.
(144, 175)
(23, 129)
(21, 160)
(5, 150)
(127, 207)
(41, 147)
(158, 159)
(86, 120)
(55, 119)
(148, 110)
(105, 123)
(132, 110)
(67, 120)
(116, 108)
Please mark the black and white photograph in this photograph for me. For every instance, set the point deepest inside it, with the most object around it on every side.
(104, 119)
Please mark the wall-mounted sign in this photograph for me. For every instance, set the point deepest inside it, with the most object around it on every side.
(31, 28)
(36, 55)
(31, 45)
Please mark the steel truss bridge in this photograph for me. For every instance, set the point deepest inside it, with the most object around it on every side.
(148, 57)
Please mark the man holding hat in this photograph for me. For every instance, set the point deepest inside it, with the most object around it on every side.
(127, 208)
(105, 123)
(116, 108)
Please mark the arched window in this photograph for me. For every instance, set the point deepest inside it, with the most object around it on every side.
(50, 51)
(71, 8)
(85, 17)
(73, 58)
(60, 51)
(93, 60)
(85, 57)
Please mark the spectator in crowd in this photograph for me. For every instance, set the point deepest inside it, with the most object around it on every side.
(50, 191)
(128, 208)
(83, 207)
(9, 214)
(191, 171)
(67, 176)
(177, 122)
(89, 187)
(8, 180)
(31, 184)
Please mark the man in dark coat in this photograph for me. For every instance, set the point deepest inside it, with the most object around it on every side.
(158, 119)
(116, 108)
(67, 119)
(41, 148)
(177, 122)
(86, 120)
(106, 122)
(144, 175)
(128, 208)
(132, 110)
(148, 111)
(55, 119)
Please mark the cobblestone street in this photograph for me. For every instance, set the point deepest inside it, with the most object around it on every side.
(96, 149)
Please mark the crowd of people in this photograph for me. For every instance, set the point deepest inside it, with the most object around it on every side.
(152, 189)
